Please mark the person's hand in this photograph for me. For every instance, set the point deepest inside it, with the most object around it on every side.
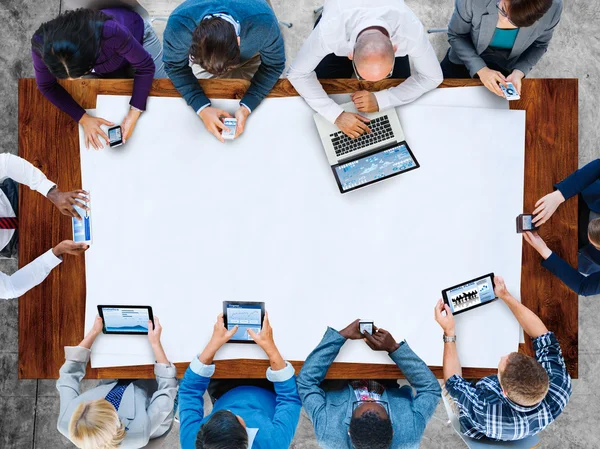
(365, 101)
(381, 340)
(352, 331)
(446, 321)
(97, 327)
(500, 288)
(546, 206)
(70, 247)
(353, 125)
(515, 77)
(491, 79)
(264, 338)
(64, 201)
(90, 337)
(538, 243)
(91, 131)
(154, 332)
(212, 120)
(220, 334)
(128, 123)
(241, 115)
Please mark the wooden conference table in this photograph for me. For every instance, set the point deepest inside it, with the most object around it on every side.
(51, 315)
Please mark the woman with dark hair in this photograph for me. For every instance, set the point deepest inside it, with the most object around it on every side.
(499, 40)
(107, 43)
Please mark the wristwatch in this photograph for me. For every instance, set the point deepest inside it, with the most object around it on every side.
(449, 339)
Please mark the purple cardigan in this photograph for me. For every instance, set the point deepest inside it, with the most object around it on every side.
(121, 45)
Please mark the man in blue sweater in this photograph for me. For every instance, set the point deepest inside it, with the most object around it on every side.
(245, 417)
(223, 39)
(367, 414)
(585, 181)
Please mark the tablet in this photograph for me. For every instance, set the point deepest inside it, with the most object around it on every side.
(245, 315)
(132, 320)
(470, 294)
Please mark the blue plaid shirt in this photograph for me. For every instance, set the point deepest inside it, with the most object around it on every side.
(484, 411)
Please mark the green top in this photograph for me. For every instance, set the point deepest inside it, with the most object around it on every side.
(504, 38)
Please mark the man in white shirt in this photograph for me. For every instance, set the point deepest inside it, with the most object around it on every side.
(373, 40)
(20, 170)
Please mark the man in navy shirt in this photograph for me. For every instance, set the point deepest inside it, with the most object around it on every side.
(585, 181)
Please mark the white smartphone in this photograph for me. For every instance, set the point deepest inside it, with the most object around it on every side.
(510, 92)
(230, 123)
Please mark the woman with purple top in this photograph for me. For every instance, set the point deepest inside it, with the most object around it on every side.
(106, 43)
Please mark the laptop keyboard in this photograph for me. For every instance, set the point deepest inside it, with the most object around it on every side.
(381, 130)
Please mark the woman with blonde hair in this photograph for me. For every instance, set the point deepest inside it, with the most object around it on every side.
(116, 413)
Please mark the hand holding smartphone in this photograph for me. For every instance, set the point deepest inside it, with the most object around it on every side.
(510, 92)
(230, 123)
(525, 223)
(115, 136)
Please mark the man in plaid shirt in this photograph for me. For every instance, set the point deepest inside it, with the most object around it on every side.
(526, 395)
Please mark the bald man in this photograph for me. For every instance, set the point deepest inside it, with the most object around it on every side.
(371, 40)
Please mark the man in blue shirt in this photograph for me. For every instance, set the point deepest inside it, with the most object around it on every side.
(366, 414)
(526, 395)
(223, 39)
(245, 417)
(585, 181)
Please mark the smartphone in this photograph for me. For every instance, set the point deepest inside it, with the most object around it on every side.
(366, 326)
(82, 229)
(525, 223)
(115, 136)
(230, 123)
(510, 92)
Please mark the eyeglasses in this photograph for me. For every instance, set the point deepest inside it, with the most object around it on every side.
(503, 13)
(384, 404)
(360, 78)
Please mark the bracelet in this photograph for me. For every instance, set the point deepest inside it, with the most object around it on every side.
(133, 108)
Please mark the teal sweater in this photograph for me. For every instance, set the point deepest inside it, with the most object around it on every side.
(259, 34)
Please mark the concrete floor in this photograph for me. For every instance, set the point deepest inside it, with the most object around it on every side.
(29, 408)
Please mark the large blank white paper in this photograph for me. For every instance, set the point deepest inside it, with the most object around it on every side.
(182, 222)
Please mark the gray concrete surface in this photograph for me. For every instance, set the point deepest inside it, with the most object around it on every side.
(28, 409)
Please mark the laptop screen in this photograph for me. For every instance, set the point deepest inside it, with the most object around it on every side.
(373, 167)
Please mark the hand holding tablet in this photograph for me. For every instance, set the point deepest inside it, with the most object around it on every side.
(471, 294)
(127, 320)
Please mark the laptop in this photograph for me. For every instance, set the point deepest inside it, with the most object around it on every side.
(370, 158)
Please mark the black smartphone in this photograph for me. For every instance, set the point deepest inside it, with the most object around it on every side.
(115, 136)
(525, 223)
(365, 326)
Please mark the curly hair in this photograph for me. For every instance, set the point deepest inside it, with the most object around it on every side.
(370, 431)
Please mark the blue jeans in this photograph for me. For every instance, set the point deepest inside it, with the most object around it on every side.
(154, 47)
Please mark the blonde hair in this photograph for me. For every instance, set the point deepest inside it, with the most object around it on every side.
(96, 425)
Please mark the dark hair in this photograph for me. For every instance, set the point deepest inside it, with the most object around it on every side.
(215, 46)
(594, 231)
(524, 380)
(222, 431)
(70, 44)
(370, 431)
(524, 13)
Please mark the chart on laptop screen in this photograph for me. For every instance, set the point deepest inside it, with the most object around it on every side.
(375, 166)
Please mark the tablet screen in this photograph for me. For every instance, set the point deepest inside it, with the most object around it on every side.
(471, 294)
(374, 166)
(126, 319)
(245, 316)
